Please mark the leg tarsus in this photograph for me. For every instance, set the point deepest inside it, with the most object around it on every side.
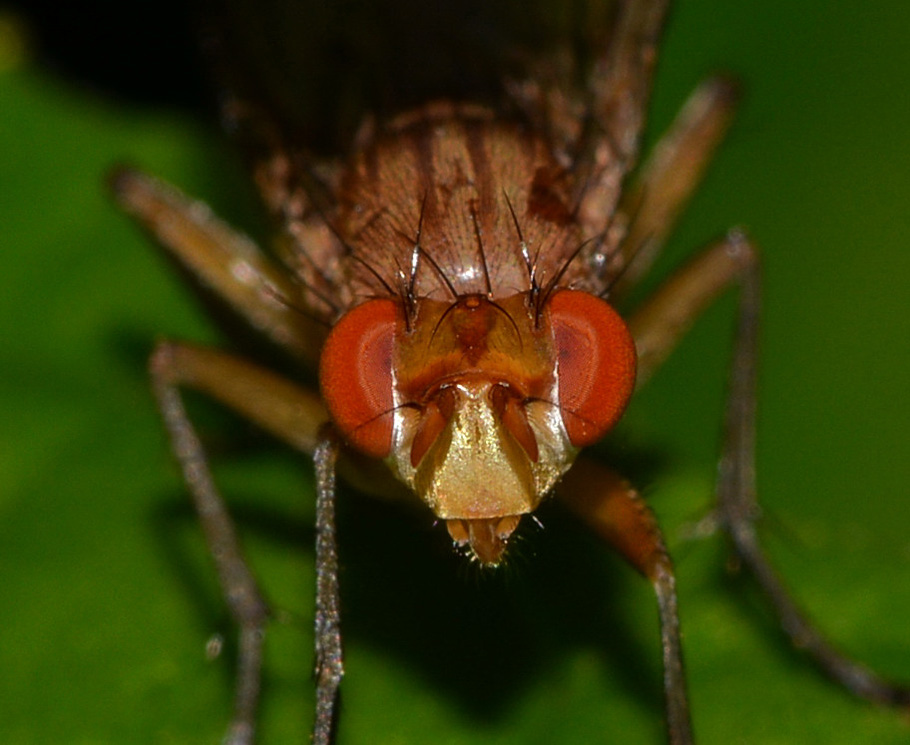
(329, 658)
(242, 729)
(613, 510)
(738, 508)
(291, 414)
(238, 585)
(677, 701)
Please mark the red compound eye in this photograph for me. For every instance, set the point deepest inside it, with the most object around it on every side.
(595, 363)
(355, 374)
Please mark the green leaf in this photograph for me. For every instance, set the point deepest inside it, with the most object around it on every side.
(109, 599)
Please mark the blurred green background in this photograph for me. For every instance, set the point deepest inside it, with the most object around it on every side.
(107, 600)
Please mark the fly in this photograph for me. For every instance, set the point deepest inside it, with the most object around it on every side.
(453, 281)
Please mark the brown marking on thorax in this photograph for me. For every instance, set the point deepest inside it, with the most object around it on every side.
(445, 177)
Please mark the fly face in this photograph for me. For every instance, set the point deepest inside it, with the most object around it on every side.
(483, 405)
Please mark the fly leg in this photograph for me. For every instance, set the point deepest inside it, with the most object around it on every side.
(618, 89)
(222, 260)
(610, 506)
(238, 585)
(329, 659)
(231, 265)
(295, 416)
(657, 326)
(663, 319)
(737, 507)
(613, 509)
(668, 178)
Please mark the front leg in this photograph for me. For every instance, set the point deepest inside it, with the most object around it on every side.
(329, 659)
(295, 416)
(614, 510)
